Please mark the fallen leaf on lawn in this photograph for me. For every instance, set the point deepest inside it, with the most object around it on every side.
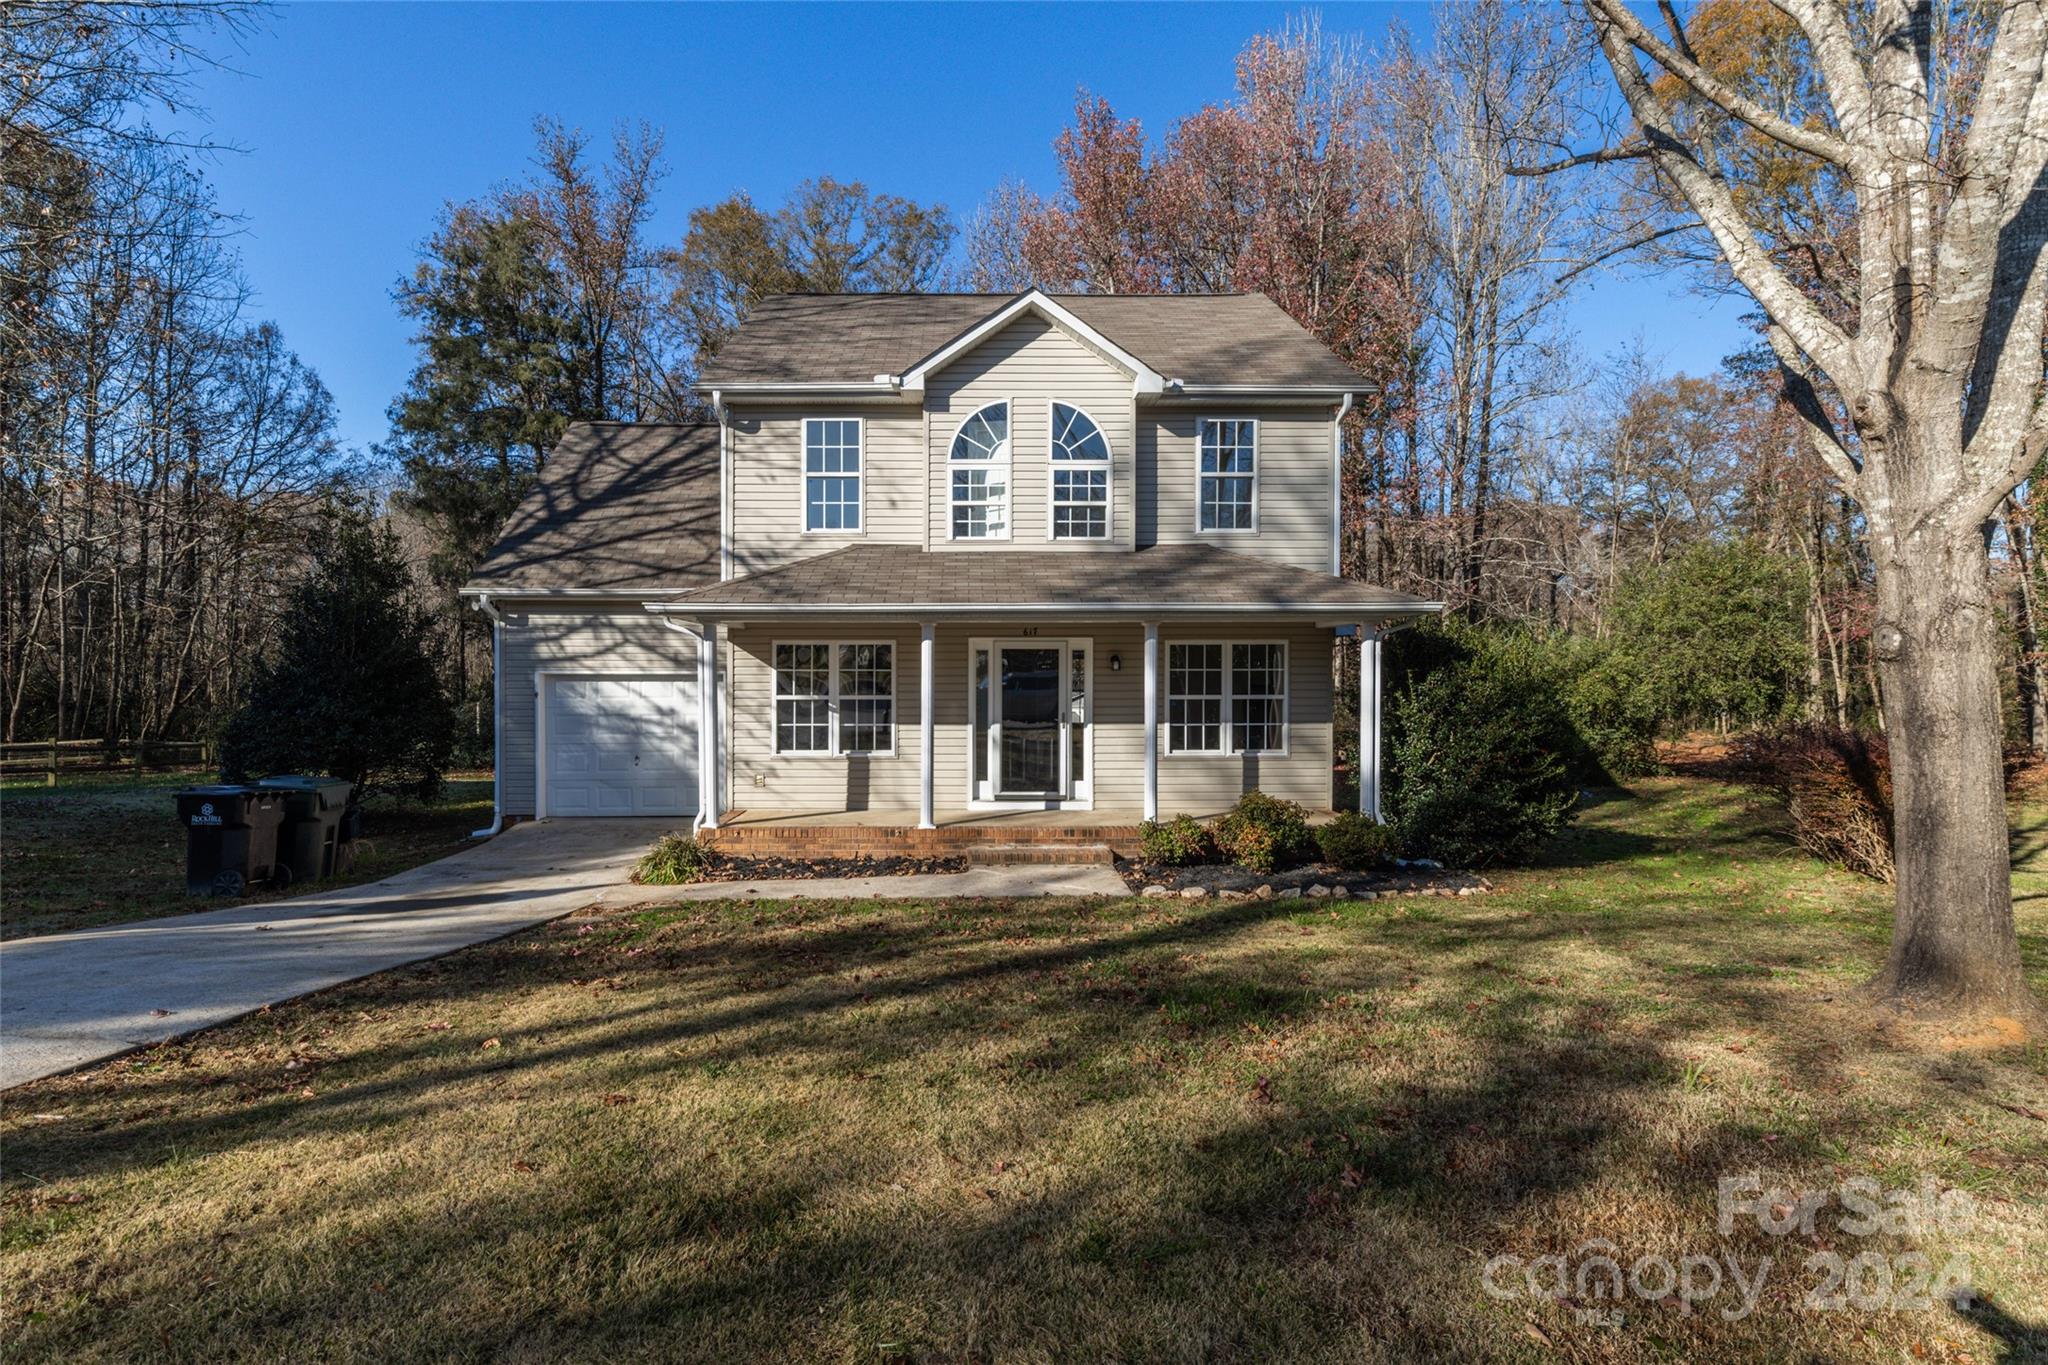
(618, 1099)
(439, 1026)
(1736, 1047)
(307, 1093)
(488, 1043)
(2025, 1112)
(522, 1165)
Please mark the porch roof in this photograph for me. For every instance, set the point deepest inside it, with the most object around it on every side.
(1158, 581)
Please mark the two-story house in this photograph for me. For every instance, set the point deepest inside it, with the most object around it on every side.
(946, 555)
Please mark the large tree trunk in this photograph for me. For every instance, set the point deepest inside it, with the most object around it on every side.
(1954, 949)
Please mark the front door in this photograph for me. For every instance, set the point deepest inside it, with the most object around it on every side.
(1032, 727)
(1031, 720)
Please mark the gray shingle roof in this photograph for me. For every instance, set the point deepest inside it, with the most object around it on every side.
(1175, 578)
(632, 507)
(1202, 339)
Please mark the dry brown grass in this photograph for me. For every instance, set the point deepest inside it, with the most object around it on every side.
(1093, 1131)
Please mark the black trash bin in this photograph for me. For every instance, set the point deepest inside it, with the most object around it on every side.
(312, 841)
(230, 839)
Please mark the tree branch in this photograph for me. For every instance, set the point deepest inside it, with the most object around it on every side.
(1805, 399)
(1813, 141)
(1826, 27)
(1710, 198)
(1627, 151)
(1626, 247)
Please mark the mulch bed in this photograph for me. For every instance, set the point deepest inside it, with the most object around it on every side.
(735, 869)
(1229, 882)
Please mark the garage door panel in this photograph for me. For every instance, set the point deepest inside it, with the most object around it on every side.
(620, 746)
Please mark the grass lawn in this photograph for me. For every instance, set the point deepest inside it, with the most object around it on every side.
(1084, 1131)
(103, 848)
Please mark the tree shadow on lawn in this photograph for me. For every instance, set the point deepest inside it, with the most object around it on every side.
(1251, 1130)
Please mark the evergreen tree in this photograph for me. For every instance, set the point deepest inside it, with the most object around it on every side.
(352, 689)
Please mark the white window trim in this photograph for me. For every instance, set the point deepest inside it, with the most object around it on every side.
(1229, 749)
(832, 699)
(1007, 464)
(1258, 463)
(804, 477)
(1108, 475)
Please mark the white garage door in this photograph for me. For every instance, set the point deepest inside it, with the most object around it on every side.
(621, 746)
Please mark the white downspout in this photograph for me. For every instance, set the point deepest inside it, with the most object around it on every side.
(483, 604)
(707, 738)
(1337, 489)
(724, 487)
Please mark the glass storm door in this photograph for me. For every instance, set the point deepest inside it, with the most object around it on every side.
(1031, 727)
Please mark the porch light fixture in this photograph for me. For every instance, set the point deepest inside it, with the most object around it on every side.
(1116, 663)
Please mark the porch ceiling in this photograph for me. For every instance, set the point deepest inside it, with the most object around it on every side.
(1158, 581)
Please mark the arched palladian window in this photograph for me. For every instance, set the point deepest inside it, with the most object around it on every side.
(979, 466)
(1080, 476)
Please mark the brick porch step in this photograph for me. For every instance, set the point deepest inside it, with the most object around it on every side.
(1056, 843)
(1011, 855)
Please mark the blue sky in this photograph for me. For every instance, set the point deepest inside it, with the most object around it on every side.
(357, 122)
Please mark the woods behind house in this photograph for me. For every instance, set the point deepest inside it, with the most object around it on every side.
(171, 463)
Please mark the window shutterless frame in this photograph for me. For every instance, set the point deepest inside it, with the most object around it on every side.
(999, 464)
(859, 476)
(1227, 697)
(1203, 477)
(1056, 463)
(834, 698)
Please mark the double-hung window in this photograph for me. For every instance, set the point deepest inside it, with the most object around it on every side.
(1227, 477)
(837, 698)
(832, 464)
(978, 472)
(1226, 698)
(1080, 476)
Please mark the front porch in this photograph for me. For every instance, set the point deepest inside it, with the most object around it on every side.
(887, 833)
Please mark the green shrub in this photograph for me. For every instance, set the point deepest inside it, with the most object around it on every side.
(1479, 760)
(1355, 842)
(677, 860)
(1177, 842)
(1263, 833)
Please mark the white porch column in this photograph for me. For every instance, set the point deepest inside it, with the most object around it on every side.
(707, 726)
(1151, 720)
(926, 728)
(1369, 720)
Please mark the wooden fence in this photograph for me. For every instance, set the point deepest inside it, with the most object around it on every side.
(51, 757)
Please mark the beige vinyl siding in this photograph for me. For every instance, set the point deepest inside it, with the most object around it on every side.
(574, 641)
(1203, 784)
(1294, 479)
(761, 779)
(1029, 364)
(768, 483)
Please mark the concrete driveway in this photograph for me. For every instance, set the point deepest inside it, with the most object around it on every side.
(70, 999)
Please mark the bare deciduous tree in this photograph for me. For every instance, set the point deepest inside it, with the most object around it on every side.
(1938, 363)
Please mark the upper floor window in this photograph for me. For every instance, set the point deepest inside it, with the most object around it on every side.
(1080, 476)
(832, 473)
(979, 469)
(1227, 481)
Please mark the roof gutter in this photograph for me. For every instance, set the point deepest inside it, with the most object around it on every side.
(706, 611)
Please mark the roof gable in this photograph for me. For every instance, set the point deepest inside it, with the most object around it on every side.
(1144, 379)
(1207, 342)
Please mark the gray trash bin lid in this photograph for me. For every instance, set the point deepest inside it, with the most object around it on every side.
(331, 792)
